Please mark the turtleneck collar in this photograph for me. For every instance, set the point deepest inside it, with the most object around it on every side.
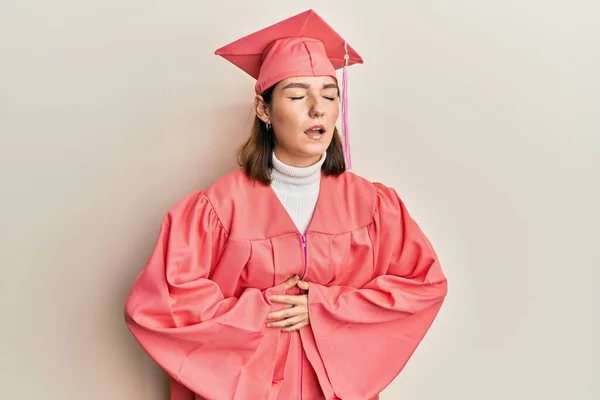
(296, 176)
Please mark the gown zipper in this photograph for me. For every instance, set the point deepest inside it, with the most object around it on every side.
(304, 248)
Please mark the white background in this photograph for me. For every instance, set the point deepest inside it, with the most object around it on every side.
(484, 115)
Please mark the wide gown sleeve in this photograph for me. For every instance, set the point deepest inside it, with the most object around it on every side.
(366, 335)
(206, 341)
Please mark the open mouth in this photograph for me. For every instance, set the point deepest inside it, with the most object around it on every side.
(316, 132)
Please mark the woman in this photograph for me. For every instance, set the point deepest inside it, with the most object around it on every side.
(291, 278)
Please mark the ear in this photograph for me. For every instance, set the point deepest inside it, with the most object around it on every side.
(262, 109)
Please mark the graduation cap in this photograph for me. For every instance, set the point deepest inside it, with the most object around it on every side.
(302, 45)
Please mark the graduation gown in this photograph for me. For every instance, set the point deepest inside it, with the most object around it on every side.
(200, 303)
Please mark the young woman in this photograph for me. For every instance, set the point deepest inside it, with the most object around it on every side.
(291, 278)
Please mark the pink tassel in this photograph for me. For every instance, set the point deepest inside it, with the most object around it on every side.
(345, 128)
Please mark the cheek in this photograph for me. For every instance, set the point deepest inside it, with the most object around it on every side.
(289, 114)
(334, 110)
(286, 127)
(289, 117)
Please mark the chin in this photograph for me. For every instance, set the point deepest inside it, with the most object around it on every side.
(313, 149)
(305, 148)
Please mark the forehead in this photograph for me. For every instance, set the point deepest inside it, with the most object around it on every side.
(317, 81)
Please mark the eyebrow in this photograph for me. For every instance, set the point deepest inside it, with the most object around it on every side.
(303, 85)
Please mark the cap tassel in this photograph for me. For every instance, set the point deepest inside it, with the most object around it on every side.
(345, 128)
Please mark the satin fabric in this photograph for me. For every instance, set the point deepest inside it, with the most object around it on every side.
(199, 305)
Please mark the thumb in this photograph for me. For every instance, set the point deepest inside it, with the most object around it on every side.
(303, 285)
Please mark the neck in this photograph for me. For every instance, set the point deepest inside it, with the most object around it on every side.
(294, 160)
(296, 177)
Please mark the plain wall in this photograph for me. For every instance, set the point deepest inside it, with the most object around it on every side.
(484, 115)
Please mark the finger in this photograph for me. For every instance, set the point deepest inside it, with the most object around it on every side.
(297, 326)
(288, 321)
(289, 312)
(297, 300)
(302, 285)
(274, 314)
(291, 282)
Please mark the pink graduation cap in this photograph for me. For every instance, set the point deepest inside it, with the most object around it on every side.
(303, 45)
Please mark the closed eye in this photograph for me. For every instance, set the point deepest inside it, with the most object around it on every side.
(301, 97)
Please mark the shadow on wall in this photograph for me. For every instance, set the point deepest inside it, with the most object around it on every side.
(207, 147)
(219, 154)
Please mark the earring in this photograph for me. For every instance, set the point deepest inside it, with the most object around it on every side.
(268, 126)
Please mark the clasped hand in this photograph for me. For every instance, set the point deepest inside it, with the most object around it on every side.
(295, 315)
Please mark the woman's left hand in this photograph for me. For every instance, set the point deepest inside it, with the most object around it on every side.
(293, 317)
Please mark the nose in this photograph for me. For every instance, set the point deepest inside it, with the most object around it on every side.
(317, 109)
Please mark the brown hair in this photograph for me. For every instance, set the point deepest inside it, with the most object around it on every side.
(255, 155)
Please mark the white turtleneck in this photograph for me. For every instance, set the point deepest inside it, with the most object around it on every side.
(297, 189)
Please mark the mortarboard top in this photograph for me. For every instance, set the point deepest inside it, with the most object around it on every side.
(303, 45)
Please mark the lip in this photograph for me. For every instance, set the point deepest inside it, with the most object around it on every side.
(316, 127)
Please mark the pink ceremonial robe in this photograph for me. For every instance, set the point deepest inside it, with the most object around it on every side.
(199, 305)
